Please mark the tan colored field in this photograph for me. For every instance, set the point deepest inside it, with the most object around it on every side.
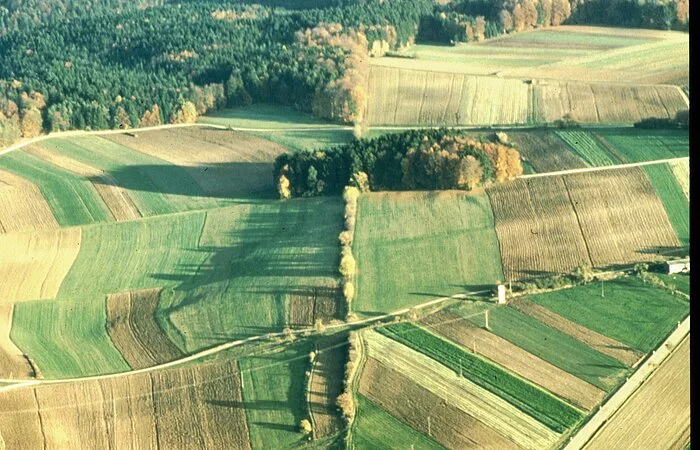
(132, 327)
(461, 393)
(223, 163)
(412, 404)
(603, 344)
(621, 217)
(681, 170)
(33, 265)
(545, 151)
(187, 408)
(22, 206)
(13, 364)
(402, 97)
(312, 304)
(115, 197)
(537, 228)
(657, 415)
(326, 386)
(515, 359)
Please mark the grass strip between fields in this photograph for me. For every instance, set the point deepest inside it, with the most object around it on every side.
(674, 200)
(544, 407)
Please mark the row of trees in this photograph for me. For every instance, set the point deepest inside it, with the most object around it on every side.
(416, 159)
(122, 69)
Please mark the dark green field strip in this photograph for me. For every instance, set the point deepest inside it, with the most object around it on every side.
(680, 282)
(72, 199)
(647, 145)
(553, 346)
(637, 314)
(588, 148)
(674, 200)
(539, 404)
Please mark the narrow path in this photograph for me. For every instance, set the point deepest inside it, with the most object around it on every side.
(228, 345)
(596, 169)
(580, 439)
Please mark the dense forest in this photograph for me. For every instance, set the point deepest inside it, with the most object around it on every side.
(415, 159)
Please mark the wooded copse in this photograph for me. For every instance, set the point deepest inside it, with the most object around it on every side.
(411, 160)
(162, 64)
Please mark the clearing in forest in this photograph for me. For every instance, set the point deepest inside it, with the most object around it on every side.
(411, 245)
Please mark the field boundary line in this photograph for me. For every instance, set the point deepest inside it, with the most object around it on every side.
(18, 383)
(600, 168)
(685, 97)
(634, 382)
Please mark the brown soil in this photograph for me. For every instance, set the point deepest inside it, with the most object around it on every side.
(22, 206)
(545, 151)
(412, 404)
(601, 343)
(132, 327)
(327, 385)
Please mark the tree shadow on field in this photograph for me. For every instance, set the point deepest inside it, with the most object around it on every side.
(230, 180)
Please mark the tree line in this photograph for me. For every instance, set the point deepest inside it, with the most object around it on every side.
(157, 65)
(410, 160)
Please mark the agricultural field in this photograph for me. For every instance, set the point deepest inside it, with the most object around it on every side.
(665, 396)
(13, 363)
(588, 148)
(639, 315)
(545, 151)
(22, 207)
(637, 145)
(189, 407)
(674, 198)
(326, 385)
(447, 237)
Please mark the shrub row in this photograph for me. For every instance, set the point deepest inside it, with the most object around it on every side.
(347, 267)
(346, 400)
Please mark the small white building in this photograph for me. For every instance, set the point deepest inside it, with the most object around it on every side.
(501, 294)
(678, 266)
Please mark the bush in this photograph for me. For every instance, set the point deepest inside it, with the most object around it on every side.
(305, 426)
(345, 238)
(347, 263)
(349, 292)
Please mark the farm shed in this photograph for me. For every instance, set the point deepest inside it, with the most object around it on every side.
(678, 266)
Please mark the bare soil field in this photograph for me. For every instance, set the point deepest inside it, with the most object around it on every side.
(621, 216)
(132, 327)
(537, 228)
(33, 265)
(658, 414)
(603, 344)
(561, 383)
(193, 407)
(223, 163)
(403, 96)
(486, 407)
(115, 197)
(22, 206)
(327, 385)
(13, 363)
(545, 151)
(413, 404)
(315, 303)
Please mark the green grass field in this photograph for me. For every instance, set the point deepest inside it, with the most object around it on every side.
(648, 145)
(303, 140)
(674, 200)
(591, 151)
(680, 281)
(374, 428)
(72, 199)
(632, 312)
(273, 396)
(265, 116)
(553, 346)
(530, 399)
(413, 247)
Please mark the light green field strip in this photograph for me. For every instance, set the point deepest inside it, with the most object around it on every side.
(648, 145)
(374, 428)
(673, 198)
(631, 312)
(256, 258)
(588, 148)
(308, 140)
(264, 116)
(273, 396)
(678, 281)
(413, 246)
(156, 186)
(484, 406)
(553, 346)
(568, 37)
(66, 338)
(681, 170)
(73, 200)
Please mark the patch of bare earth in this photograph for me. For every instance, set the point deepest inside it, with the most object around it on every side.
(326, 385)
(601, 343)
(132, 326)
(515, 359)
(308, 305)
(413, 404)
(22, 206)
(657, 415)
